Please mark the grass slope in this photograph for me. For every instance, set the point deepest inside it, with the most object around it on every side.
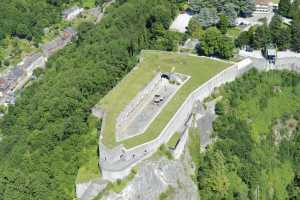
(89, 168)
(200, 70)
(174, 139)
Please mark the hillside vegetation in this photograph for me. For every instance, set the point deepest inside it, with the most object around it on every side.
(257, 154)
(24, 24)
(43, 134)
(27, 19)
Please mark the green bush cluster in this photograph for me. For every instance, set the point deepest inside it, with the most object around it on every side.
(243, 165)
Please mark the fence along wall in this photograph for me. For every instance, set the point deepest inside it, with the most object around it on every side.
(113, 171)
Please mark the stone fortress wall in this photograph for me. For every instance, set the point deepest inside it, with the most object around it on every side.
(116, 163)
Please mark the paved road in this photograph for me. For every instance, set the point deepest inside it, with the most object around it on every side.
(254, 20)
(284, 59)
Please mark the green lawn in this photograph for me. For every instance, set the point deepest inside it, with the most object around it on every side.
(89, 168)
(88, 3)
(200, 69)
(174, 139)
(194, 146)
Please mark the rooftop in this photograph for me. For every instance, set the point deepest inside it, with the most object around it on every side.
(264, 2)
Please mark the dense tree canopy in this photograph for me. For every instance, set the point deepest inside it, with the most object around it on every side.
(295, 41)
(41, 135)
(214, 43)
(208, 11)
(289, 8)
(284, 7)
(277, 33)
(27, 19)
(242, 164)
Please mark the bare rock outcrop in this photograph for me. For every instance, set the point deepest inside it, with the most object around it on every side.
(154, 178)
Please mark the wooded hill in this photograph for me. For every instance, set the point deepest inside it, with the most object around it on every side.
(42, 134)
(257, 151)
(27, 19)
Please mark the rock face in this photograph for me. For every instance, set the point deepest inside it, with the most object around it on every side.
(89, 190)
(154, 178)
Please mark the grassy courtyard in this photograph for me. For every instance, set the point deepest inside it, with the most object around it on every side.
(200, 69)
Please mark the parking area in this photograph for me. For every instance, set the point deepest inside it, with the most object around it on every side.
(149, 110)
(256, 19)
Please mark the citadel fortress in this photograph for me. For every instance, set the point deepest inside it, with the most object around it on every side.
(135, 118)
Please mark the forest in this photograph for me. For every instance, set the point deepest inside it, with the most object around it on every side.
(42, 134)
(27, 19)
(257, 151)
(208, 12)
(212, 21)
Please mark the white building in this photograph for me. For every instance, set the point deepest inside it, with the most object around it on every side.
(264, 6)
(72, 13)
